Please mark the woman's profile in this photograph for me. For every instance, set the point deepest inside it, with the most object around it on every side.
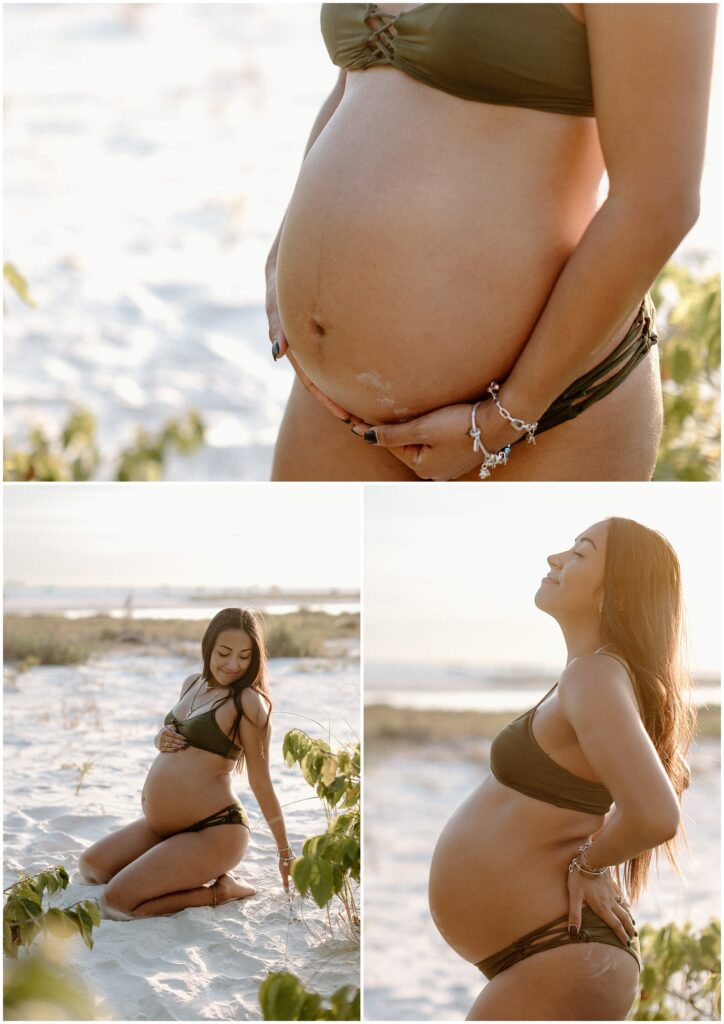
(533, 877)
(446, 279)
(193, 830)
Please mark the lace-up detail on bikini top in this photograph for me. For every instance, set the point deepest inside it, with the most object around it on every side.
(520, 55)
(519, 762)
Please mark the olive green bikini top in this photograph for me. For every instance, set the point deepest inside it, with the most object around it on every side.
(519, 55)
(203, 731)
(519, 762)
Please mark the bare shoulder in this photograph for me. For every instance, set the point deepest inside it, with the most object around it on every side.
(186, 685)
(598, 682)
(255, 707)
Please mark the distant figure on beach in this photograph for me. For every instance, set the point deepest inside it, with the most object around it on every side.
(194, 830)
(447, 281)
(589, 780)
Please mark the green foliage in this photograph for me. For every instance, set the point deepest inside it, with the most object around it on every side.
(283, 997)
(17, 282)
(285, 639)
(75, 455)
(331, 859)
(37, 988)
(24, 916)
(146, 457)
(690, 352)
(681, 979)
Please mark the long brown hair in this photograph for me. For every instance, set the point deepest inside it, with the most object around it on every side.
(256, 675)
(642, 620)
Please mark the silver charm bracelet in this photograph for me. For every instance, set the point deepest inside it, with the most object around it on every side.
(516, 424)
(490, 459)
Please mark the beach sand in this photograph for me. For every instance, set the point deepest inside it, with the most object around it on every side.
(201, 964)
(410, 792)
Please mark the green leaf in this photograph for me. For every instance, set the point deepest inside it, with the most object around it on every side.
(281, 997)
(18, 283)
(301, 872)
(325, 879)
(328, 771)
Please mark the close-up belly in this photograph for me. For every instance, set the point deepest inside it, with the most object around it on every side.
(499, 869)
(181, 789)
(414, 262)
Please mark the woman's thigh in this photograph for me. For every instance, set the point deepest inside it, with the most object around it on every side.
(314, 445)
(180, 862)
(588, 981)
(110, 855)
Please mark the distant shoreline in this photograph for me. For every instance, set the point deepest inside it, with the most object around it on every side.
(384, 724)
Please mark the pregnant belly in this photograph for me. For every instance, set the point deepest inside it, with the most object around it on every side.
(182, 788)
(413, 266)
(499, 868)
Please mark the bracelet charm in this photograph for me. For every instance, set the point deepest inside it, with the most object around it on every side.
(516, 424)
(490, 459)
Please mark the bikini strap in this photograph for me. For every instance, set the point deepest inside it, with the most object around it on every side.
(616, 657)
(546, 696)
(194, 680)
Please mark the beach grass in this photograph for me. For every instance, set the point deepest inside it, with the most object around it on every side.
(56, 640)
(384, 724)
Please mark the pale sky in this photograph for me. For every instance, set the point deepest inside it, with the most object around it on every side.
(207, 535)
(450, 572)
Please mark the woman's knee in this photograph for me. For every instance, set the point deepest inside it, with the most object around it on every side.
(91, 868)
(114, 905)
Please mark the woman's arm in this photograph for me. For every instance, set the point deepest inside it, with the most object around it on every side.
(255, 736)
(598, 699)
(651, 70)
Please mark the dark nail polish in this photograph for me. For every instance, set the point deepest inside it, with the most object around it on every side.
(632, 921)
(275, 349)
(573, 931)
(629, 942)
(348, 420)
(371, 436)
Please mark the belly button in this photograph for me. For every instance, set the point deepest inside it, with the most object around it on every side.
(318, 328)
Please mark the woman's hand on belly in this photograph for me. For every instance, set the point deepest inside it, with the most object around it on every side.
(438, 445)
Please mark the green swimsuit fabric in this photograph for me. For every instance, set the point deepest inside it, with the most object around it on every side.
(520, 55)
(555, 934)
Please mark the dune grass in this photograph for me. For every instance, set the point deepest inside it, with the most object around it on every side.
(55, 640)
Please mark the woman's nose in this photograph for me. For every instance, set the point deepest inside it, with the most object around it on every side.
(554, 561)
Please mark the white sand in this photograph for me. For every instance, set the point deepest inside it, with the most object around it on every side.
(200, 964)
(410, 973)
(150, 153)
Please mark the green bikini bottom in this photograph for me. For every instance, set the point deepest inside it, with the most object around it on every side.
(554, 934)
(234, 814)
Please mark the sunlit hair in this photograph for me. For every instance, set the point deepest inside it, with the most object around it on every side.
(255, 677)
(642, 620)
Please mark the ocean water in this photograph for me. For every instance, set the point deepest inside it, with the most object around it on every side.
(166, 602)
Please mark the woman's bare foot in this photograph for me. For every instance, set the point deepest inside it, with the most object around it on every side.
(228, 888)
